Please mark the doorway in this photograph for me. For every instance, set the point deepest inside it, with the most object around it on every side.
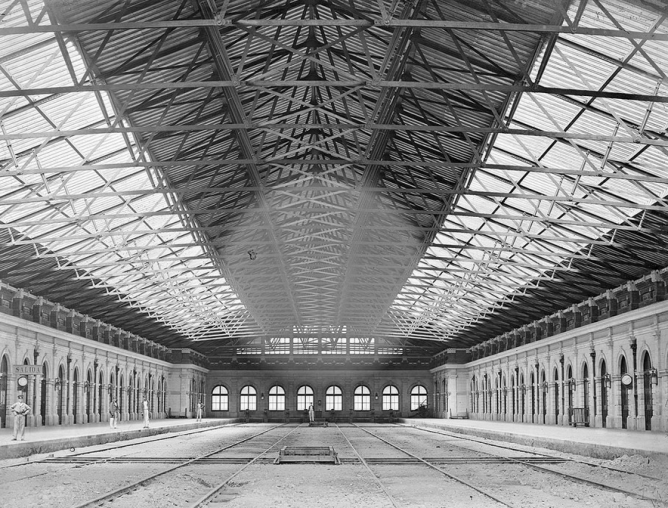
(61, 388)
(4, 372)
(585, 389)
(604, 394)
(75, 395)
(647, 391)
(42, 404)
(624, 395)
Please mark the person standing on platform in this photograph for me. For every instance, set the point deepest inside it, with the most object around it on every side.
(20, 410)
(311, 413)
(145, 405)
(113, 413)
(200, 409)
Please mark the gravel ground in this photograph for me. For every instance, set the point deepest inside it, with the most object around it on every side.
(327, 485)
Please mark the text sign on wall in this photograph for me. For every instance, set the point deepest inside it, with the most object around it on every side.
(27, 370)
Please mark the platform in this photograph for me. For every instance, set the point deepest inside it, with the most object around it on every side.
(592, 442)
(39, 440)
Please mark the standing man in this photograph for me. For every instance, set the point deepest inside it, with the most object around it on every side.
(200, 408)
(145, 405)
(20, 410)
(113, 413)
(311, 414)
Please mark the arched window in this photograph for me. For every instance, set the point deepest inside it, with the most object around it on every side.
(248, 398)
(333, 399)
(304, 398)
(362, 399)
(276, 398)
(418, 397)
(220, 399)
(390, 398)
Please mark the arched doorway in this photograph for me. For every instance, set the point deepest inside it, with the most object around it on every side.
(543, 385)
(585, 390)
(647, 390)
(556, 396)
(99, 396)
(571, 387)
(132, 395)
(61, 389)
(624, 393)
(43, 401)
(27, 395)
(88, 396)
(523, 390)
(604, 394)
(75, 396)
(534, 401)
(121, 400)
(504, 409)
(4, 372)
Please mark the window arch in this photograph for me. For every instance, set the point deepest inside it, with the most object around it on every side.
(362, 399)
(220, 399)
(418, 397)
(304, 397)
(276, 398)
(248, 398)
(390, 398)
(333, 399)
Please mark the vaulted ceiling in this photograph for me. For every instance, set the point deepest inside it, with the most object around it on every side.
(426, 173)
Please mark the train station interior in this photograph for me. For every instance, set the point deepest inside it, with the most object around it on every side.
(448, 217)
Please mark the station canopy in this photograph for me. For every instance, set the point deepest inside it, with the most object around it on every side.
(425, 174)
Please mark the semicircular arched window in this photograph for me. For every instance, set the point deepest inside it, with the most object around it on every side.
(333, 399)
(248, 399)
(276, 398)
(418, 397)
(390, 398)
(220, 399)
(362, 399)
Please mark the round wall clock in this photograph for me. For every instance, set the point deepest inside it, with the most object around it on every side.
(627, 380)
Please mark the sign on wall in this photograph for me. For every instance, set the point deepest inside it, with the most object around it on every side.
(27, 370)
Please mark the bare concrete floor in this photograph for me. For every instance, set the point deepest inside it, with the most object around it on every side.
(381, 466)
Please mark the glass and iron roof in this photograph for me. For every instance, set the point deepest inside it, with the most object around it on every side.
(415, 175)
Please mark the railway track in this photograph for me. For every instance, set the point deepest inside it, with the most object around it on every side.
(507, 447)
(217, 491)
(393, 464)
(433, 466)
(130, 443)
(108, 496)
(522, 461)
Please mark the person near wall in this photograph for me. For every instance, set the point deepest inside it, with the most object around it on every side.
(20, 410)
(311, 413)
(113, 413)
(200, 409)
(145, 405)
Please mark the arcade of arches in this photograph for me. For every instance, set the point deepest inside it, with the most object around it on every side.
(610, 373)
